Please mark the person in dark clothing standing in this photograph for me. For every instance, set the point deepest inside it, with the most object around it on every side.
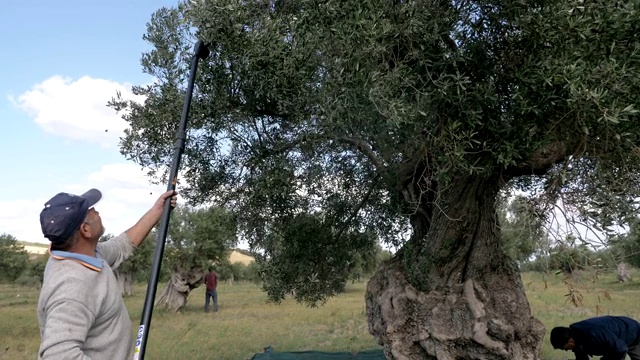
(612, 337)
(211, 281)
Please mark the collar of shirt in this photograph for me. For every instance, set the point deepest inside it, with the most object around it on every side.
(86, 260)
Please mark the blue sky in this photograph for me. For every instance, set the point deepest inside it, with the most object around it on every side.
(62, 61)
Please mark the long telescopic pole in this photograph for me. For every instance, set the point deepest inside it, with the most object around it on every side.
(200, 52)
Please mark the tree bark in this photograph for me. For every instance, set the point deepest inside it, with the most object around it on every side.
(125, 282)
(176, 291)
(452, 293)
(624, 274)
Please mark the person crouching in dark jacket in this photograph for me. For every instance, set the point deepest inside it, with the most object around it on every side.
(612, 337)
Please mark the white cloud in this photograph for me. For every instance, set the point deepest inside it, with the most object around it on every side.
(20, 218)
(77, 109)
(127, 195)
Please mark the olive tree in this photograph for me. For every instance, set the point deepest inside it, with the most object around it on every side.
(14, 259)
(405, 119)
(197, 238)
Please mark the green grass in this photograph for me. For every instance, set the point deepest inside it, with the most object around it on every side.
(246, 322)
(549, 304)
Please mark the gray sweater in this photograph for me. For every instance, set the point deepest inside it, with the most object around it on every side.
(81, 312)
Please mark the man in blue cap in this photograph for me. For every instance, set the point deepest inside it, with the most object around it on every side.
(81, 312)
(612, 337)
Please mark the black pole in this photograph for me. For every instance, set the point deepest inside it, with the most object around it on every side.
(200, 51)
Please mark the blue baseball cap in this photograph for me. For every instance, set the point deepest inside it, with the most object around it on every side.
(64, 213)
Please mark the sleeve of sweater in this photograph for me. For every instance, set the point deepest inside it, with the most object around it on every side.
(65, 330)
(116, 250)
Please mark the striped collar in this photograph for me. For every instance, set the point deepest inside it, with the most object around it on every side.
(86, 260)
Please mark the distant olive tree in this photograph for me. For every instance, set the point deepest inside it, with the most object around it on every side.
(626, 247)
(14, 259)
(33, 276)
(522, 228)
(196, 239)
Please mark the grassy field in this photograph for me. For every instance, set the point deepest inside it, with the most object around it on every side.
(246, 322)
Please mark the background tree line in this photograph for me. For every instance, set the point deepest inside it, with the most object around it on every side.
(197, 238)
(524, 239)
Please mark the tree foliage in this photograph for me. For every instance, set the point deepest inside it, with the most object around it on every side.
(237, 271)
(374, 118)
(367, 261)
(198, 237)
(33, 275)
(381, 115)
(570, 258)
(522, 228)
(626, 247)
(305, 258)
(13, 258)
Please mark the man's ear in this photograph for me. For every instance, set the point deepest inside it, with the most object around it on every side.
(85, 230)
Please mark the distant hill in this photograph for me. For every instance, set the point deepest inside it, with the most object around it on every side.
(237, 255)
(35, 248)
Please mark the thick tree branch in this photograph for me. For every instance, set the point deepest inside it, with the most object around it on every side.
(287, 146)
(541, 160)
(450, 43)
(366, 149)
(355, 211)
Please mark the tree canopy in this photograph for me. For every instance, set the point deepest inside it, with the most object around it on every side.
(626, 247)
(365, 109)
(382, 117)
(521, 227)
(13, 258)
(197, 238)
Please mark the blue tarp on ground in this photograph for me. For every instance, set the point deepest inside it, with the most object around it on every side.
(270, 354)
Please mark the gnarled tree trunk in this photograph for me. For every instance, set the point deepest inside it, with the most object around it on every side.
(451, 292)
(175, 293)
(125, 282)
(624, 273)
